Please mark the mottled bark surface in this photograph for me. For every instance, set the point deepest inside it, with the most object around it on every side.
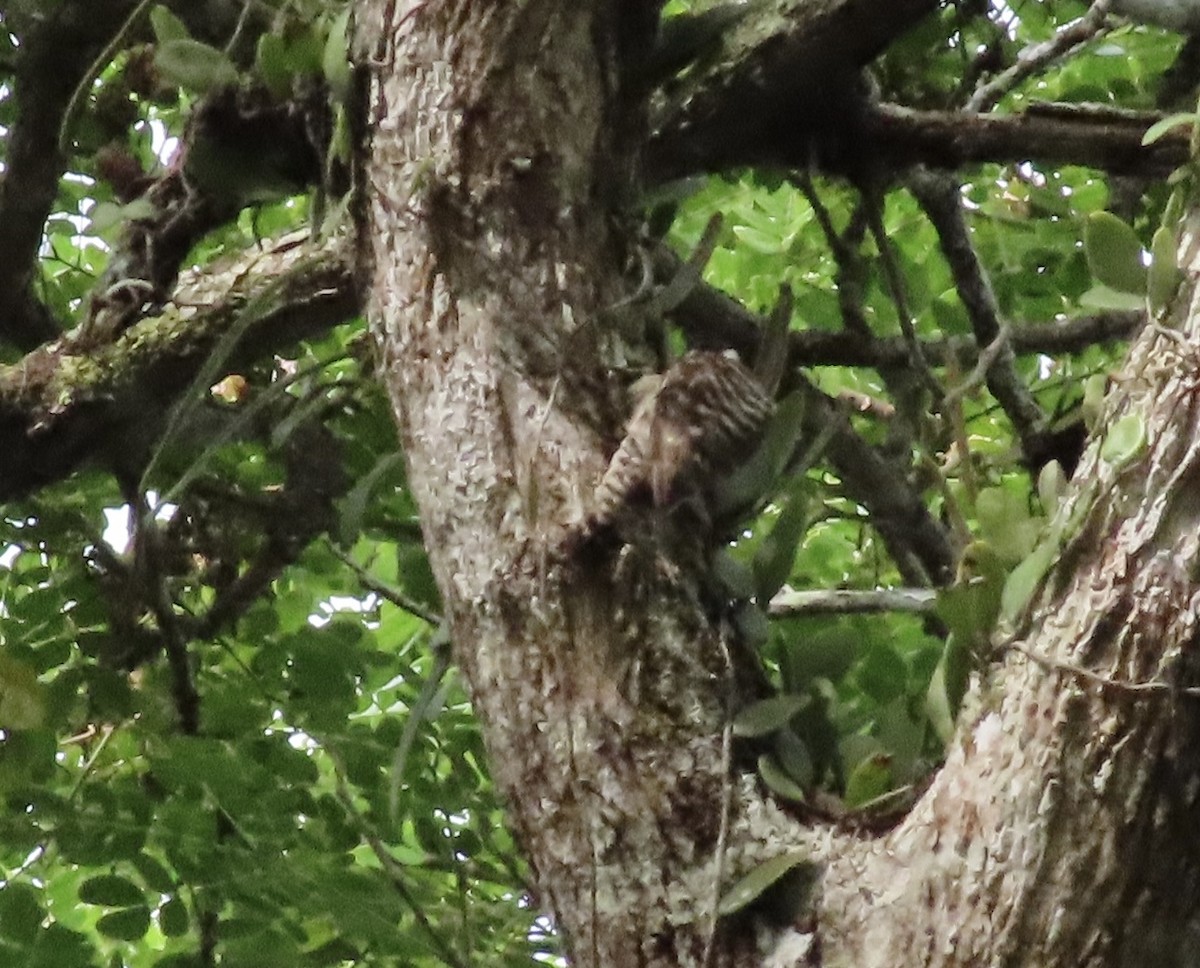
(493, 183)
(1059, 831)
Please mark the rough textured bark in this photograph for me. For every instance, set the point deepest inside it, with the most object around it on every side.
(602, 690)
(793, 73)
(63, 405)
(1058, 831)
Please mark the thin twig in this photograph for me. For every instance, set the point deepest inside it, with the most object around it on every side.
(1151, 687)
(837, 245)
(843, 601)
(978, 376)
(239, 28)
(152, 578)
(712, 319)
(940, 198)
(770, 361)
(692, 271)
(865, 403)
(895, 281)
(393, 870)
(427, 700)
(93, 71)
(385, 591)
(686, 277)
(846, 256)
(1037, 56)
(726, 801)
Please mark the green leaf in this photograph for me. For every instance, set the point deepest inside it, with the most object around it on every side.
(1104, 298)
(354, 504)
(166, 25)
(883, 675)
(187, 761)
(416, 575)
(734, 577)
(1092, 407)
(1124, 441)
(947, 687)
(792, 755)
(22, 705)
(1165, 274)
(775, 555)
(233, 710)
(1173, 210)
(1051, 484)
(130, 924)
(182, 961)
(336, 951)
(766, 243)
(752, 625)
(746, 486)
(759, 880)
(1025, 580)
(106, 216)
(270, 60)
(767, 715)
(1114, 253)
(195, 66)
(173, 918)
(1169, 123)
(264, 949)
(20, 913)
(971, 605)
(901, 734)
(777, 780)
(305, 47)
(60, 947)
(870, 779)
(1005, 522)
(241, 175)
(111, 891)
(154, 875)
(827, 654)
(334, 62)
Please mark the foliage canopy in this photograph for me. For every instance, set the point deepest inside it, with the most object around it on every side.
(250, 567)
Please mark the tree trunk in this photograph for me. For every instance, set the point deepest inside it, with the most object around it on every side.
(1059, 831)
(495, 178)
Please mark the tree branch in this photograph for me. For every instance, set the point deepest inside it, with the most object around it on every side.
(59, 408)
(918, 544)
(264, 141)
(788, 93)
(939, 197)
(800, 63)
(1106, 139)
(713, 320)
(790, 603)
(897, 137)
(54, 54)
(1034, 58)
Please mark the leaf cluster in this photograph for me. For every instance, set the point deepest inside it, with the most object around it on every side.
(224, 728)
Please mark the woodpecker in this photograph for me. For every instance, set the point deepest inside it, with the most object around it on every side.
(692, 424)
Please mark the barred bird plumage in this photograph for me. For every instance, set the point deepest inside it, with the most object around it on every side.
(693, 423)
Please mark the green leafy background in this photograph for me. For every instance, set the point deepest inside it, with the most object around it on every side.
(124, 843)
